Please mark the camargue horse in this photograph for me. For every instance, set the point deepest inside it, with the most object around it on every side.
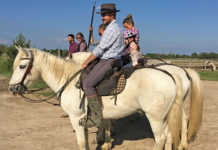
(192, 90)
(154, 93)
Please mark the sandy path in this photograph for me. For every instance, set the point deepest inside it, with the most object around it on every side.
(39, 126)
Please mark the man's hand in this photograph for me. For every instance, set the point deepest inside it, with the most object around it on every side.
(91, 34)
(84, 65)
(88, 60)
(90, 29)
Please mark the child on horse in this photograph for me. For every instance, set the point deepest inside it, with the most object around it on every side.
(132, 47)
(128, 24)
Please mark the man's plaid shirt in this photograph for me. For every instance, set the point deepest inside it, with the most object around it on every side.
(112, 42)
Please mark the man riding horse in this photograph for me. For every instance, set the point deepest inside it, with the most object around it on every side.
(108, 51)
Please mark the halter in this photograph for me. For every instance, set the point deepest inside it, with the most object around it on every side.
(30, 66)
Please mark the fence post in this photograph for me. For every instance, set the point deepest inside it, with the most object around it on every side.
(59, 53)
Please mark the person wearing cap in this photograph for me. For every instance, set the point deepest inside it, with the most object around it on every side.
(108, 50)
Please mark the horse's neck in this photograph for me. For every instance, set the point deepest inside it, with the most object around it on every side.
(55, 71)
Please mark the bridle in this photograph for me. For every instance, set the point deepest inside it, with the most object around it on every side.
(20, 85)
(29, 68)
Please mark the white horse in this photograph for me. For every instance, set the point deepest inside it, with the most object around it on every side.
(210, 64)
(149, 90)
(192, 90)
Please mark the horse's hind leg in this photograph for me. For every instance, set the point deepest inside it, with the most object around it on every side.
(184, 140)
(158, 128)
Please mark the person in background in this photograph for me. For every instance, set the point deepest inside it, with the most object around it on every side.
(73, 48)
(101, 29)
(128, 24)
(132, 48)
(82, 46)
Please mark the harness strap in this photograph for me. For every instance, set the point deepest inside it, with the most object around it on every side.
(28, 69)
(161, 64)
(164, 71)
(188, 76)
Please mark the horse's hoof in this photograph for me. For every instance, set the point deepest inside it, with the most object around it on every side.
(87, 123)
(183, 147)
(94, 141)
(106, 146)
(64, 116)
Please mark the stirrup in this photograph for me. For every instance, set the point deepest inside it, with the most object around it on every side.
(86, 122)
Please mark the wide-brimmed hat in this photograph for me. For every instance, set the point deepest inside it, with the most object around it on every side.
(108, 8)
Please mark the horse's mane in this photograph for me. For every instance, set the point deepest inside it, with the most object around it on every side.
(80, 57)
(61, 68)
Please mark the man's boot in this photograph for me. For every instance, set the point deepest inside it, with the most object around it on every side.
(94, 117)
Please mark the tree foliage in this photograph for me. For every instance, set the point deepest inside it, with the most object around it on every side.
(8, 53)
(21, 41)
(202, 55)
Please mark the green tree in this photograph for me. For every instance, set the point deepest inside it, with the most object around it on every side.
(21, 41)
(2, 49)
(11, 51)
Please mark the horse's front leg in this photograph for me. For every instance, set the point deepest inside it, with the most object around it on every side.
(81, 133)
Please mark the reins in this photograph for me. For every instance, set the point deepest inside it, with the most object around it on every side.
(58, 93)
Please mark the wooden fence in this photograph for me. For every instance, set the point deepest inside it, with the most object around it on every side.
(200, 65)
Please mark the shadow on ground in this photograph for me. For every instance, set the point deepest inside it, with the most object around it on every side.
(132, 128)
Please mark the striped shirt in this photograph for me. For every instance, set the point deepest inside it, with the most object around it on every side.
(112, 42)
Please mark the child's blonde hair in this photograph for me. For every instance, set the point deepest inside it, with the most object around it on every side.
(129, 20)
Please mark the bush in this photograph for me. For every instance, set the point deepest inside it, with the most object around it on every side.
(6, 63)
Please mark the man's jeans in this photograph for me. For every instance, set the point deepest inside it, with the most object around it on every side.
(96, 75)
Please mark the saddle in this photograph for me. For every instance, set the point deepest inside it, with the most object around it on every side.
(114, 81)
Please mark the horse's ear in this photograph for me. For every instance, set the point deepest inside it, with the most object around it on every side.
(20, 49)
(17, 47)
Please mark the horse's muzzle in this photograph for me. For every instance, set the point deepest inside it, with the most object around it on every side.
(17, 89)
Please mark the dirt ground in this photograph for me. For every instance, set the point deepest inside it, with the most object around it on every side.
(25, 126)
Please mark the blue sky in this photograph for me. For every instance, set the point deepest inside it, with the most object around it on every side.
(177, 26)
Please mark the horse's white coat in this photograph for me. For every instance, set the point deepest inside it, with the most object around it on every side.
(147, 89)
(186, 88)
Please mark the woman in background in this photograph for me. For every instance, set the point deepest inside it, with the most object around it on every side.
(82, 46)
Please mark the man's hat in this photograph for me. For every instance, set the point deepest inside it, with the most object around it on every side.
(108, 8)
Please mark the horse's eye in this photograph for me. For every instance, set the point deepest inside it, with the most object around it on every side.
(22, 66)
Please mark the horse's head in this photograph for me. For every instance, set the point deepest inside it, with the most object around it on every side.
(24, 71)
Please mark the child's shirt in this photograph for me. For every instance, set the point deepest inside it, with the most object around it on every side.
(136, 32)
(134, 53)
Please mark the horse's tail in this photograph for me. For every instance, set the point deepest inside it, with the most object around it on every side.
(174, 118)
(196, 107)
